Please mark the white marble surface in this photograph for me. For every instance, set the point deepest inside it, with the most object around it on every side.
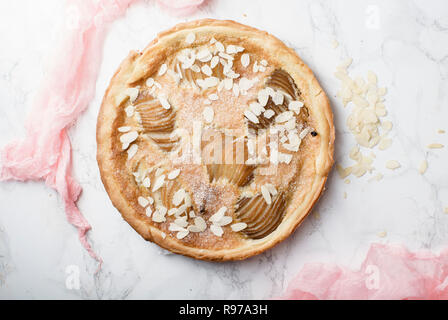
(407, 46)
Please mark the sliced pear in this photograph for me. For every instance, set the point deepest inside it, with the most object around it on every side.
(226, 158)
(158, 123)
(261, 218)
(281, 80)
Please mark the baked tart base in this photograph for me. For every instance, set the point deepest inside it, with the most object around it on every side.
(215, 141)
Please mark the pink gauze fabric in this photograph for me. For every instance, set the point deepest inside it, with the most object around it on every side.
(388, 272)
(45, 152)
(180, 7)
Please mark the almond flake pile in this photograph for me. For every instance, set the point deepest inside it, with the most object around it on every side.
(365, 121)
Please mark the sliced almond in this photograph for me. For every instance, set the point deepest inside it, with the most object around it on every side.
(191, 37)
(236, 227)
(216, 230)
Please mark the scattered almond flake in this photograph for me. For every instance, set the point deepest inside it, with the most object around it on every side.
(255, 67)
(272, 190)
(219, 47)
(278, 98)
(127, 138)
(204, 55)
(163, 69)
(384, 144)
(164, 102)
(393, 164)
(159, 183)
(214, 62)
(148, 212)
(284, 158)
(178, 197)
(231, 49)
(181, 222)
(159, 171)
(158, 85)
(200, 223)
(129, 110)
(195, 68)
(175, 228)
(263, 97)
(206, 70)
(163, 234)
(440, 131)
(208, 114)
(220, 86)
(228, 83)
(182, 234)
(246, 84)
(382, 234)
(284, 116)
(264, 63)
(172, 211)
(290, 125)
(236, 227)
(266, 195)
(216, 230)
(191, 37)
(132, 93)
(213, 97)
(124, 129)
(256, 108)
(211, 82)
(218, 215)
(225, 56)
(187, 200)
(252, 117)
(305, 132)
(236, 90)
(268, 114)
(423, 167)
(223, 221)
(174, 174)
(149, 82)
(194, 229)
(162, 210)
(343, 172)
(146, 182)
(158, 217)
(142, 201)
(132, 151)
(150, 199)
(212, 40)
(295, 106)
(335, 44)
(245, 60)
(435, 146)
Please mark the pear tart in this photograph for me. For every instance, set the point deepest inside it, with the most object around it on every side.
(215, 141)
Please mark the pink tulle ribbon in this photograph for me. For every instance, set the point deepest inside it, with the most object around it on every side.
(45, 152)
(388, 272)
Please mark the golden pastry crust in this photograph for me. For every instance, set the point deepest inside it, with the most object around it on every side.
(316, 154)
